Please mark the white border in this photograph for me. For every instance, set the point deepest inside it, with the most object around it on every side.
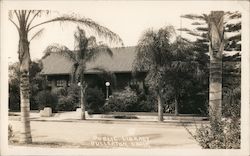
(5, 150)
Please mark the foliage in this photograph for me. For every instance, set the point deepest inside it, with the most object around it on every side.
(231, 103)
(153, 51)
(146, 102)
(231, 56)
(68, 98)
(153, 54)
(224, 134)
(10, 132)
(66, 103)
(123, 101)
(36, 85)
(173, 69)
(186, 72)
(24, 21)
(46, 98)
(87, 49)
(232, 29)
(27, 19)
(14, 94)
(95, 100)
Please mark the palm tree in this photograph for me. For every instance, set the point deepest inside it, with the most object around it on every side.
(86, 49)
(211, 33)
(216, 47)
(168, 65)
(153, 51)
(23, 20)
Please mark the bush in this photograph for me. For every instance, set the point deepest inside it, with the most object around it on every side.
(36, 85)
(124, 101)
(47, 99)
(95, 100)
(14, 95)
(10, 133)
(68, 98)
(219, 135)
(146, 103)
(66, 103)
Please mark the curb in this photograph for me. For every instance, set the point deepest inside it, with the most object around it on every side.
(124, 121)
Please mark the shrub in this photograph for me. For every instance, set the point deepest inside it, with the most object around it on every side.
(95, 100)
(231, 103)
(219, 135)
(68, 98)
(10, 133)
(66, 103)
(14, 95)
(47, 99)
(124, 101)
(36, 85)
(146, 102)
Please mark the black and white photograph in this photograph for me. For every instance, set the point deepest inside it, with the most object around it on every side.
(125, 77)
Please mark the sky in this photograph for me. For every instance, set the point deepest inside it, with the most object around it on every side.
(129, 19)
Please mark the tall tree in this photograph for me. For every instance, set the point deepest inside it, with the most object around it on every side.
(169, 65)
(153, 52)
(219, 33)
(216, 47)
(23, 20)
(232, 31)
(183, 68)
(87, 49)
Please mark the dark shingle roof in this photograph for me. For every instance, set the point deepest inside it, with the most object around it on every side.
(121, 61)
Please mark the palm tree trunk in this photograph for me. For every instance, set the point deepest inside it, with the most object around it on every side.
(82, 102)
(73, 74)
(83, 95)
(176, 106)
(24, 58)
(216, 48)
(160, 109)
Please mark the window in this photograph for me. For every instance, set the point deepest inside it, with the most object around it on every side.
(48, 83)
(60, 83)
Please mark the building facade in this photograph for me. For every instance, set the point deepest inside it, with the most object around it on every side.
(57, 70)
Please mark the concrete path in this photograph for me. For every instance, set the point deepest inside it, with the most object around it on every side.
(75, 116)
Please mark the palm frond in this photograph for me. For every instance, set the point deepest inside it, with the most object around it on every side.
(198, 23)
(193, 17)
(37, 34)
(232, 15)
(60, 50)
(81, 43)
(90, 24)
(233, 27)
(10, 14)
(94, 52)
(202, 29)
(144, 51)
(183, 29)
(153, 48)
(236, 37)
(195, 33)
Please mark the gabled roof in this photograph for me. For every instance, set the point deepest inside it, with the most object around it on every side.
(121, 61)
